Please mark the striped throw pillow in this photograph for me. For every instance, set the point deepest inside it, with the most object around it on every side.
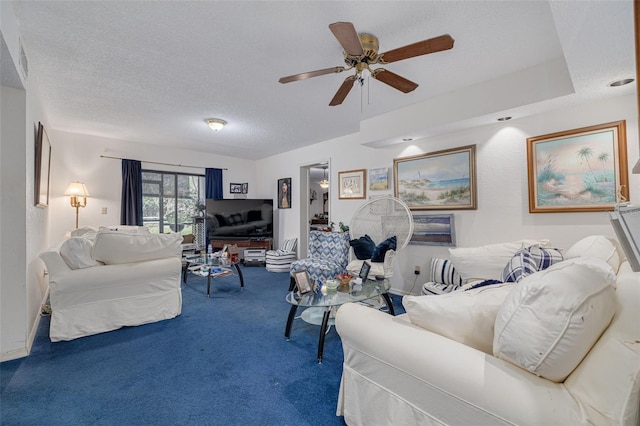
(289, 245)
(442, 271)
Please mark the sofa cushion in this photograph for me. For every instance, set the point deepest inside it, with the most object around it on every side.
(381, 249)
(467, 317)
(596, 246)
(113, 247)
(486, 262)
(552, 318)
(363, 247)
(76, 252)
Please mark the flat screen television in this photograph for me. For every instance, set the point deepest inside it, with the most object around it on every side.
(239, 219)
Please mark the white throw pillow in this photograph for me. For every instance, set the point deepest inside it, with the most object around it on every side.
(596, 246)
(465, 316)
(76, 252)
(552, 318)
(486, 262)
(114, 247)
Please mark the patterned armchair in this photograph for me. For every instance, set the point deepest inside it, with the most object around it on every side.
(328, 256)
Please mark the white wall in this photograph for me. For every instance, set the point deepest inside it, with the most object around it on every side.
(24, 227)
(77, 157)
(503, 210)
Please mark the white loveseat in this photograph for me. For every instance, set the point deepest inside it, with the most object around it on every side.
(103, 281)
(397, 372)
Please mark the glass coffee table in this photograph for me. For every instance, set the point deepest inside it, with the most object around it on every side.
(213, 267)
(320, 304)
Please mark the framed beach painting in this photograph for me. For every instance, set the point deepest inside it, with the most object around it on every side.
(580, 170)
(352, 184)
(379, 179)
(442, 180)
(433, 230)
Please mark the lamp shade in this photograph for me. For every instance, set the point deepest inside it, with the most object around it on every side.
(77, 189)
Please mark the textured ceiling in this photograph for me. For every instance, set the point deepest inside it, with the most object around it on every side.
(152, 72)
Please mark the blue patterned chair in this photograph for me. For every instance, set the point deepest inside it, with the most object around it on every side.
(328, 256)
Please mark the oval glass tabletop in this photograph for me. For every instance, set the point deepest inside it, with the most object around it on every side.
(212, 261)
(342, 295)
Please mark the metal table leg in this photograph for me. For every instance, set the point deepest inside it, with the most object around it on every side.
(239, 274)
(387, 300)
(323, 331)
(292, 315)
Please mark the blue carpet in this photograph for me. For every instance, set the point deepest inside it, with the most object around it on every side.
(223, 361)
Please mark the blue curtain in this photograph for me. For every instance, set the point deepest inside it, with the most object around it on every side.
(131, 203)
(213, 183)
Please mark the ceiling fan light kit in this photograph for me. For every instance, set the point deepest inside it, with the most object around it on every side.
(361, 51)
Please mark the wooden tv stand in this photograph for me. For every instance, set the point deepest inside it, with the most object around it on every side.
(264, 243)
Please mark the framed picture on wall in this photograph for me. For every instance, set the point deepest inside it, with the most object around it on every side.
(579, 170)
(352, 184)
(433, 230)
(245, 188)
(42, 167)
(284, 193)
(235, 188)
(379, 179)
(442, 180)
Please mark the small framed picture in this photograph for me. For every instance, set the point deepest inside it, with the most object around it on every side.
(352, 184)
(303, 283)
(284, 193)
(364, 271)
(235, 188)
(245, 188)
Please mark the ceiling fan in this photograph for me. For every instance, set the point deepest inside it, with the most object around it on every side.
(361, 51)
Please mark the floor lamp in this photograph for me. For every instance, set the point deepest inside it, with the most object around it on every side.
(77, 190)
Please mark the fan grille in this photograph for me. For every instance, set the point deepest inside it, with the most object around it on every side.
(382, 218)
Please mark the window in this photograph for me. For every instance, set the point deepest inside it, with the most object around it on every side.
(171, 200)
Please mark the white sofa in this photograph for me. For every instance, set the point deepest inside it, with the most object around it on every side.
(103, 281)
(397, 372)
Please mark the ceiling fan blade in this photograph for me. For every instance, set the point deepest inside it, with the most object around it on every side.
(394, 80)
(436, 44)
(305, 75)
(346, 34)
(343, 91)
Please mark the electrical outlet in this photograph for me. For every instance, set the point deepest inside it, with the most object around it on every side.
(416, 270)
(104, 210)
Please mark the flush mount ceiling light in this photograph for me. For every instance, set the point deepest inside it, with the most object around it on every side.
(622, 82)
(216, 124)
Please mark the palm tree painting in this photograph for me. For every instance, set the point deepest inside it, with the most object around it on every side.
(579, 170)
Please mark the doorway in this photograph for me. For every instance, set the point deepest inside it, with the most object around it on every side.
(314, 201)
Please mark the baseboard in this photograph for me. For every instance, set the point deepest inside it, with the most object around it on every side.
(23, 352)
